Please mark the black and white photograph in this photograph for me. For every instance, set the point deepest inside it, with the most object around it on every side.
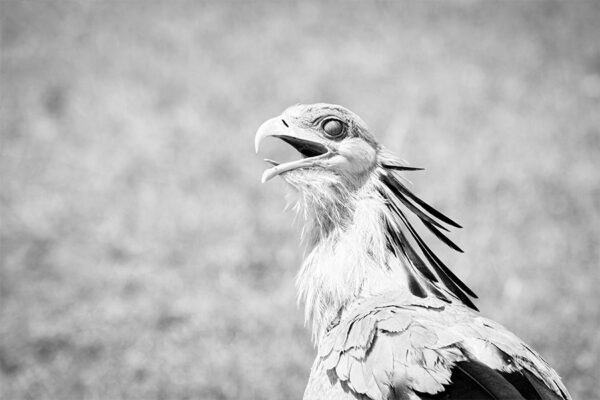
(345, 200)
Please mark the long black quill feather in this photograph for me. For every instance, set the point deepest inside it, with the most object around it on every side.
(397, 195)
(399, 188)
(451, 280)
(442, 237)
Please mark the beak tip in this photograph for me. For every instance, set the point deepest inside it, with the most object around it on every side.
(257, 141)
(268, 175)
(264, 177)
(268, 128)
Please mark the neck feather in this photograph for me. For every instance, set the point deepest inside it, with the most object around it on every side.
(361, 243)
(349, 255)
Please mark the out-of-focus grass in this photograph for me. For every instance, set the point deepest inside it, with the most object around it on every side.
(141, 257)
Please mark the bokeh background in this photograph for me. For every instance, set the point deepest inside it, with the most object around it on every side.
(141, 258)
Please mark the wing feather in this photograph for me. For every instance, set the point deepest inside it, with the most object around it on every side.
(422, 350)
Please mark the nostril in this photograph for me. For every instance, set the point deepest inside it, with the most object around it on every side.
(285, 123)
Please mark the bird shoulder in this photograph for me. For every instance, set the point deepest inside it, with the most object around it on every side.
(393, 347)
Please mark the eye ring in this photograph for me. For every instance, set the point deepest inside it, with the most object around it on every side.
(333, 128)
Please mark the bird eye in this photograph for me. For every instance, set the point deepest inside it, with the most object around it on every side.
(333, 128)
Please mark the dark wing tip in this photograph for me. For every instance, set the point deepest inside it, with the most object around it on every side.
(474, 380)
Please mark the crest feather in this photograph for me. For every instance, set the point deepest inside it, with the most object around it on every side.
(424, 268)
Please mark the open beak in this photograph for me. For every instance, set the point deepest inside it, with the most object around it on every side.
(312, 147)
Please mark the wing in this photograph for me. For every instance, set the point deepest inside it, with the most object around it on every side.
(430, 350)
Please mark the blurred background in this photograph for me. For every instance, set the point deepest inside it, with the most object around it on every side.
(141, 258)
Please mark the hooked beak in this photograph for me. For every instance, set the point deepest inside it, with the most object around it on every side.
(312, 147)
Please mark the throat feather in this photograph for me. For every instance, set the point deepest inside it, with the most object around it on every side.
(362, 243)
(348, 261)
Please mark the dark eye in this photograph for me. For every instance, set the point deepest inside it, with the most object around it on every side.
(333, 128)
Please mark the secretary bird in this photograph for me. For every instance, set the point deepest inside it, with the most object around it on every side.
(390, 320)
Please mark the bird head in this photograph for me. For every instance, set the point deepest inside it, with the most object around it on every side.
(335, 145)
(351, 186)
